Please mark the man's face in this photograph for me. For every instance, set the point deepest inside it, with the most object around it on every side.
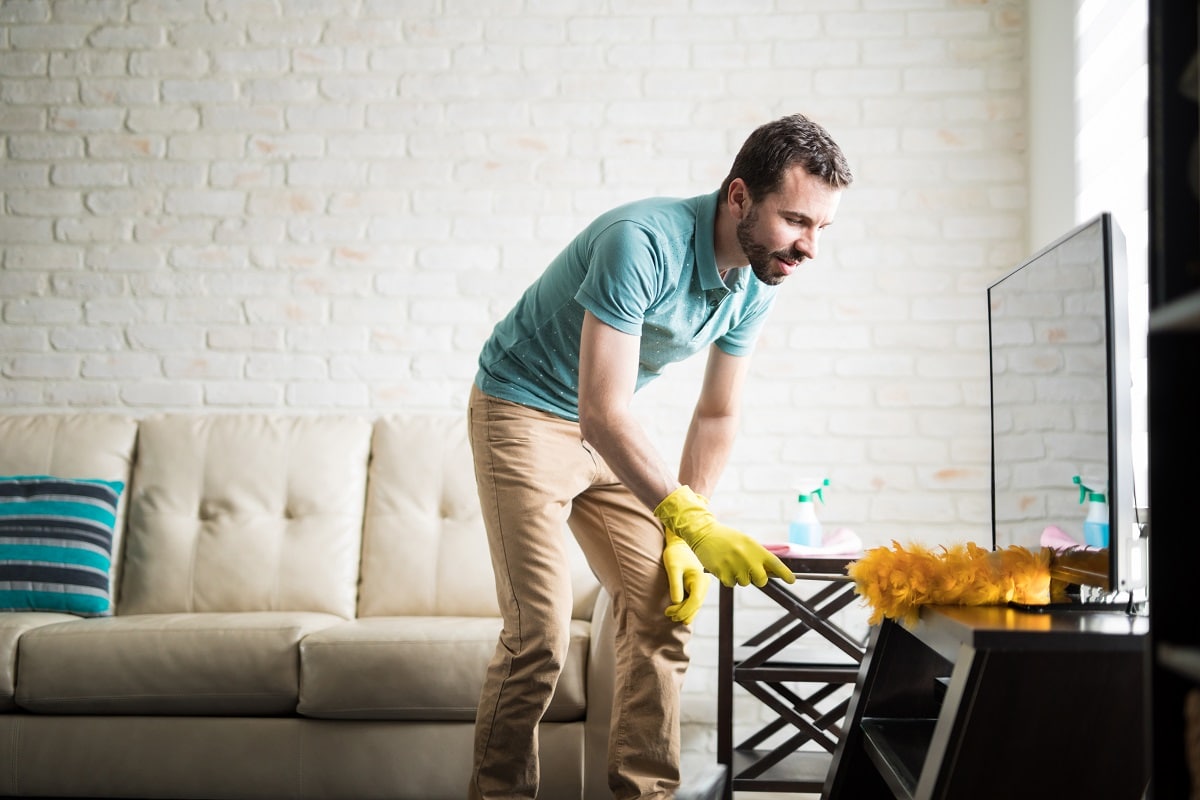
(780, 231)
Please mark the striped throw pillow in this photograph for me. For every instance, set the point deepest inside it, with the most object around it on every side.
(56, 540)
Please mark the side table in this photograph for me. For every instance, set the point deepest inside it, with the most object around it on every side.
(791, 690)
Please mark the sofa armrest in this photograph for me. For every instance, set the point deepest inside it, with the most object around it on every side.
(600, 670)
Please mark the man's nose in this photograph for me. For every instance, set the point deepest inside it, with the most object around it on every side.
(806, 244)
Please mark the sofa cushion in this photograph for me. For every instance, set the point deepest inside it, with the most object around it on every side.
(12, 626)
(202, 664)
(56, 538)
(425, 550)
(418, 668)
(73, 446)
(246, 513)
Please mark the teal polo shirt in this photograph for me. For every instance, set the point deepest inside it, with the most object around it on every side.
(647, 269)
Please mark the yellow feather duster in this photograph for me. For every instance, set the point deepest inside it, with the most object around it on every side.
(896, 582)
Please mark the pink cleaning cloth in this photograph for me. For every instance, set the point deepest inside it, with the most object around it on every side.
(1056, 538)
(841, 542)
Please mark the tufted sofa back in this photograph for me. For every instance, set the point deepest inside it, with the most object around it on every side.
(258, 512)
(245, 513)
(425, 552)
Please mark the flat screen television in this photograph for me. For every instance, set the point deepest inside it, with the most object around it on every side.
(1062, 433)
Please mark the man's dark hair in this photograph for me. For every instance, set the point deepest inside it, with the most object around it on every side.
(776, 146)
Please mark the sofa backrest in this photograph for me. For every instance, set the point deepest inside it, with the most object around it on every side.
(425, 551)
(88, 446)
(261, 512)
(246, 513)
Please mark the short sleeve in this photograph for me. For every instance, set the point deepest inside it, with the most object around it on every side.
(739, 340)
(622, 276)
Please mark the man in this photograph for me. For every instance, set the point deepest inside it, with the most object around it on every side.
(644, 285)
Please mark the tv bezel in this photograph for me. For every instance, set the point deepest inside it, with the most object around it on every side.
(1126, 567)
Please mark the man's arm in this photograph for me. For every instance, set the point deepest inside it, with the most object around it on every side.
(714, 423)
(608, 363)
(608, 368)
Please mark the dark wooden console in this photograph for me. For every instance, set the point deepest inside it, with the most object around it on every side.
(992, 702)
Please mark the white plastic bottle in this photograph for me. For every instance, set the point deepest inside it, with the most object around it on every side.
(805, 529)
(1095, 525)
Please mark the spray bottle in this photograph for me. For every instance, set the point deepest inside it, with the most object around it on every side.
(806, 528)
(1095, 524)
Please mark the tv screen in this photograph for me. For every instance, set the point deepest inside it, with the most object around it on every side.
(1062, 463)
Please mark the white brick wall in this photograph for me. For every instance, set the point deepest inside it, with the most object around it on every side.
(308, 205)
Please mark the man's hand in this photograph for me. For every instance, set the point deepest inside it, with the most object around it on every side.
(731, 555)
(685, 574)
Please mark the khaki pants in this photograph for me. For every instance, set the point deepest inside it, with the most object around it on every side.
(536, 473)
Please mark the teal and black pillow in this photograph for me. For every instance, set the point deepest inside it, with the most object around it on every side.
(56, 543)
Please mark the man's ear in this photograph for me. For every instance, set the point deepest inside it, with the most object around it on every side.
(738, 198)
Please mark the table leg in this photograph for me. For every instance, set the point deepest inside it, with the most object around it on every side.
(725, 688)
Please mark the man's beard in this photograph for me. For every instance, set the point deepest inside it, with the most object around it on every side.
(758, 255)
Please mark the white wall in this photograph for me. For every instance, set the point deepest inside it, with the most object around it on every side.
(319, 205)
(1088, 147)
(1111, 157)
(1052, 120)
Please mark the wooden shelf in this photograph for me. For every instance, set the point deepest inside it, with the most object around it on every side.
(800, 771)
(779, 672)
(898, 747)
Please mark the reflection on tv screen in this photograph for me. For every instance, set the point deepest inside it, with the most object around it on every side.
(1049, 393)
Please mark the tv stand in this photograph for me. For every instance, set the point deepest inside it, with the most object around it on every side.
(1068, 606)
(991, 702)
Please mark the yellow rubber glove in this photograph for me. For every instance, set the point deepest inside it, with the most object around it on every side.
(685, 574)
(731, 555)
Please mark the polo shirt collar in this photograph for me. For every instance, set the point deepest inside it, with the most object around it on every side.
(705, 246)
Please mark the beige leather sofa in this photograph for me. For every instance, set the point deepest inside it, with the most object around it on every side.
(304, 607)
